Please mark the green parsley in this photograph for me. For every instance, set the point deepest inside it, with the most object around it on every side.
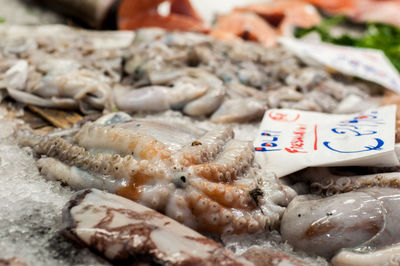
(376, 35)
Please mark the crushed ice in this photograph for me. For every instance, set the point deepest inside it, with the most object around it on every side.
(30, 210)
(30, 207)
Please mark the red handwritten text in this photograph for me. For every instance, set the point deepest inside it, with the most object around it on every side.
(297, 143)
(282, 117)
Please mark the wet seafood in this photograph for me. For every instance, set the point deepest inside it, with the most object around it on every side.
(357, 221)
(265, 22)
(263, 257)
(286, 14)
(206, 180)
(56, 66)
(325, 182)
(365, 219)
(123, 230)
(246, 26)
(133, 15)
(159, 70)
(273, 77)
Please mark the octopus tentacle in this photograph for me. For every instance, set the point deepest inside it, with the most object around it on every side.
(106, 164)
(121, 141)
(53, 169)
(216, 218)
(341, 184)
(205, 148)
(271, 212)
(233, 161)
(230, 196)
(208, 181)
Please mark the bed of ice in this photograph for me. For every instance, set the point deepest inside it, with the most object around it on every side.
(30, 211)
(31, 207)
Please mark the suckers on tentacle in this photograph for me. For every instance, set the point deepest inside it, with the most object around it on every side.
(207, 180)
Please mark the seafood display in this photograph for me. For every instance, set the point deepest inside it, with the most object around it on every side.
(157, 70)
(366, 218)
(264, 22)
(57, 66)
(123, 230)
(352, 218)
(262, 256)
(202, 178)
(206, 180)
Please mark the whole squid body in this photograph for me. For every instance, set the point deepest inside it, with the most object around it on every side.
(125, 231)
(364, 221)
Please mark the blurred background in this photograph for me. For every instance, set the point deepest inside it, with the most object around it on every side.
(35, 12)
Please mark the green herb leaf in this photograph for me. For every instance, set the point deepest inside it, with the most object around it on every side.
(2, 20)
(377, 35)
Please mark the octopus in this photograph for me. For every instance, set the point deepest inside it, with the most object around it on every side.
(60, 67)
(207, 180)
(153, 70)
(127, 232)
(350, 219)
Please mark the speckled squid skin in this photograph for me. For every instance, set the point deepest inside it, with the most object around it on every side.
(210, 182)
(123, 230)
(366, 218)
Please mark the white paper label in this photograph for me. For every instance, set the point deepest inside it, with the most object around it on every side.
(290, 140)
(369, 64)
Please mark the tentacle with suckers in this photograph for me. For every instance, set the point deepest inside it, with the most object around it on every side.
(205, 148)
(161, 173)
(233, 161)
(121, 141)
(346, 184)
(105, 164)
(223, 220)
(324, 181)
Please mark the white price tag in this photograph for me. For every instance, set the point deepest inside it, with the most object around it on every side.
(369, 64)
(290, 140)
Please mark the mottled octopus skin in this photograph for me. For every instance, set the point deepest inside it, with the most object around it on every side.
(124, 231)
(209, 183)
(365, 218)
(325, 183)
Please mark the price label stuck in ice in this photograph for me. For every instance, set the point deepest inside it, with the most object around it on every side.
(290, 140)
(369, 64)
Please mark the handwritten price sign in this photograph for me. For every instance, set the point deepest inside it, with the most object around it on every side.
(290, 140)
